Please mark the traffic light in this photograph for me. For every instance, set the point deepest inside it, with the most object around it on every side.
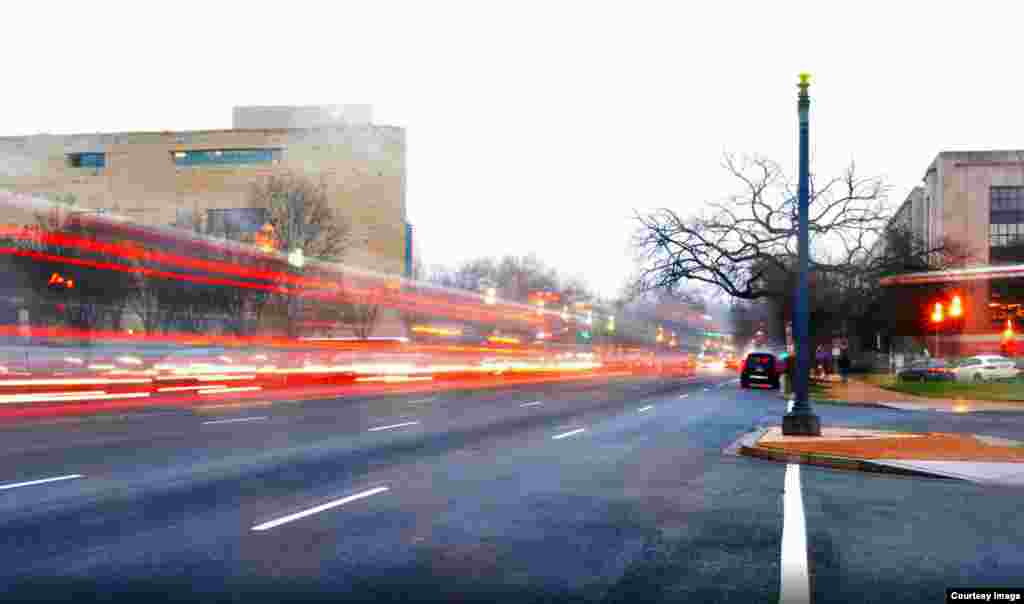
(60, 282)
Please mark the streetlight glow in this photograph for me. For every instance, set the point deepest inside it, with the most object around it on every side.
(955, 308)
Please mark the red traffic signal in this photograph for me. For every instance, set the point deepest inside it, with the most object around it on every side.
(58, 280)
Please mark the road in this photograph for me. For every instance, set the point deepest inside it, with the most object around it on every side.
(613, 490)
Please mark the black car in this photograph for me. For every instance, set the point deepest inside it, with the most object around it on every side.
(932, 370)
(761, 368)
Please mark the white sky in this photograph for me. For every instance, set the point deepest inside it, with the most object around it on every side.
(540, 126)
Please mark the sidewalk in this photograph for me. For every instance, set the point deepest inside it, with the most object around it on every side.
(859, 392)
(968, 457)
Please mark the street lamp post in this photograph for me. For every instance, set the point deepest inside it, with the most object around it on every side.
(801, 420)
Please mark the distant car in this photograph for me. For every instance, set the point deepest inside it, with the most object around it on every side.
(933, 370)
(761, 368)
(986, 367)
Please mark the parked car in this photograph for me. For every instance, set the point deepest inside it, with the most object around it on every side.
(761, 368)
(932, 370)
(985, 367)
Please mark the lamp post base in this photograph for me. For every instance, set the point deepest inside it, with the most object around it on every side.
(801, 424)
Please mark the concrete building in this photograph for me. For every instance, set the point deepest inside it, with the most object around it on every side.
(184, 178)
(976, 199)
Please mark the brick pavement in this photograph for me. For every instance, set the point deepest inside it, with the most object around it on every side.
(874, 444)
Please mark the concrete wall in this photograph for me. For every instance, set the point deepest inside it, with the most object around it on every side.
(363, 166)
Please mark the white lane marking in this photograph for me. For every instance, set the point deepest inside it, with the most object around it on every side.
(423, 400)
(14, 485)
(647, 408)
(569, 433)
(392, 426)
(226, 390)
(533, 404)
(316, 510)
(789, 406)
(707, 389)
(683, 395)
(235, 420)
(795, 583)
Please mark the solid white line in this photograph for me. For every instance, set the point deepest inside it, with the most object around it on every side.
(569, 433)
(237, 419)
(647, 408)
(317, 509)
(795, 585)
(402, 425)
(533, 404)
(683, 395)
(4, 487)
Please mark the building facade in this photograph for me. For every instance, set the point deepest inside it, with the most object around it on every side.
(201, 179)
(976, 200)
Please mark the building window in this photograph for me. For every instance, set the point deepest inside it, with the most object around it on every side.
(238, 224)
(226, 157)
(1006, 224)
(87, 160)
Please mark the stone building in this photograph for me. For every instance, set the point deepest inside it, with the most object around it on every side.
(976, 198)
(202, 179)
(181, 178)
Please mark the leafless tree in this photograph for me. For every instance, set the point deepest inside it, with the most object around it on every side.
(300, 213)
(746, 246)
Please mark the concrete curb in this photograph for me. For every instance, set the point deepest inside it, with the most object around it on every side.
(835, 462)
(747, 440)
(839, 402)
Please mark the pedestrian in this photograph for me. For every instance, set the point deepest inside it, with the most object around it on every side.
(844, 366)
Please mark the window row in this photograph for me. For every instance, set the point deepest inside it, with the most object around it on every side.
(1006, 240)
(1006, 194)
(229, 157)
(204, 157)
(1006, 229)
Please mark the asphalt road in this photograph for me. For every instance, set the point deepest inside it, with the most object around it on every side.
(609, 490)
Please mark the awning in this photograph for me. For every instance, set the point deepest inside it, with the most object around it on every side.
(1009, 271)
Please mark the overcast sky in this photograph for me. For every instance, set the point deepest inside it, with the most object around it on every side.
(541, 126)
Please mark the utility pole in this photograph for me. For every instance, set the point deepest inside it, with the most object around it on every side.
(802, 421)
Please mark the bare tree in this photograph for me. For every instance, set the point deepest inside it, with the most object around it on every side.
(300, 213)
(746, 246)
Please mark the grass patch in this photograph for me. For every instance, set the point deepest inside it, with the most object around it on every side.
(877, 379)
(996, 391)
